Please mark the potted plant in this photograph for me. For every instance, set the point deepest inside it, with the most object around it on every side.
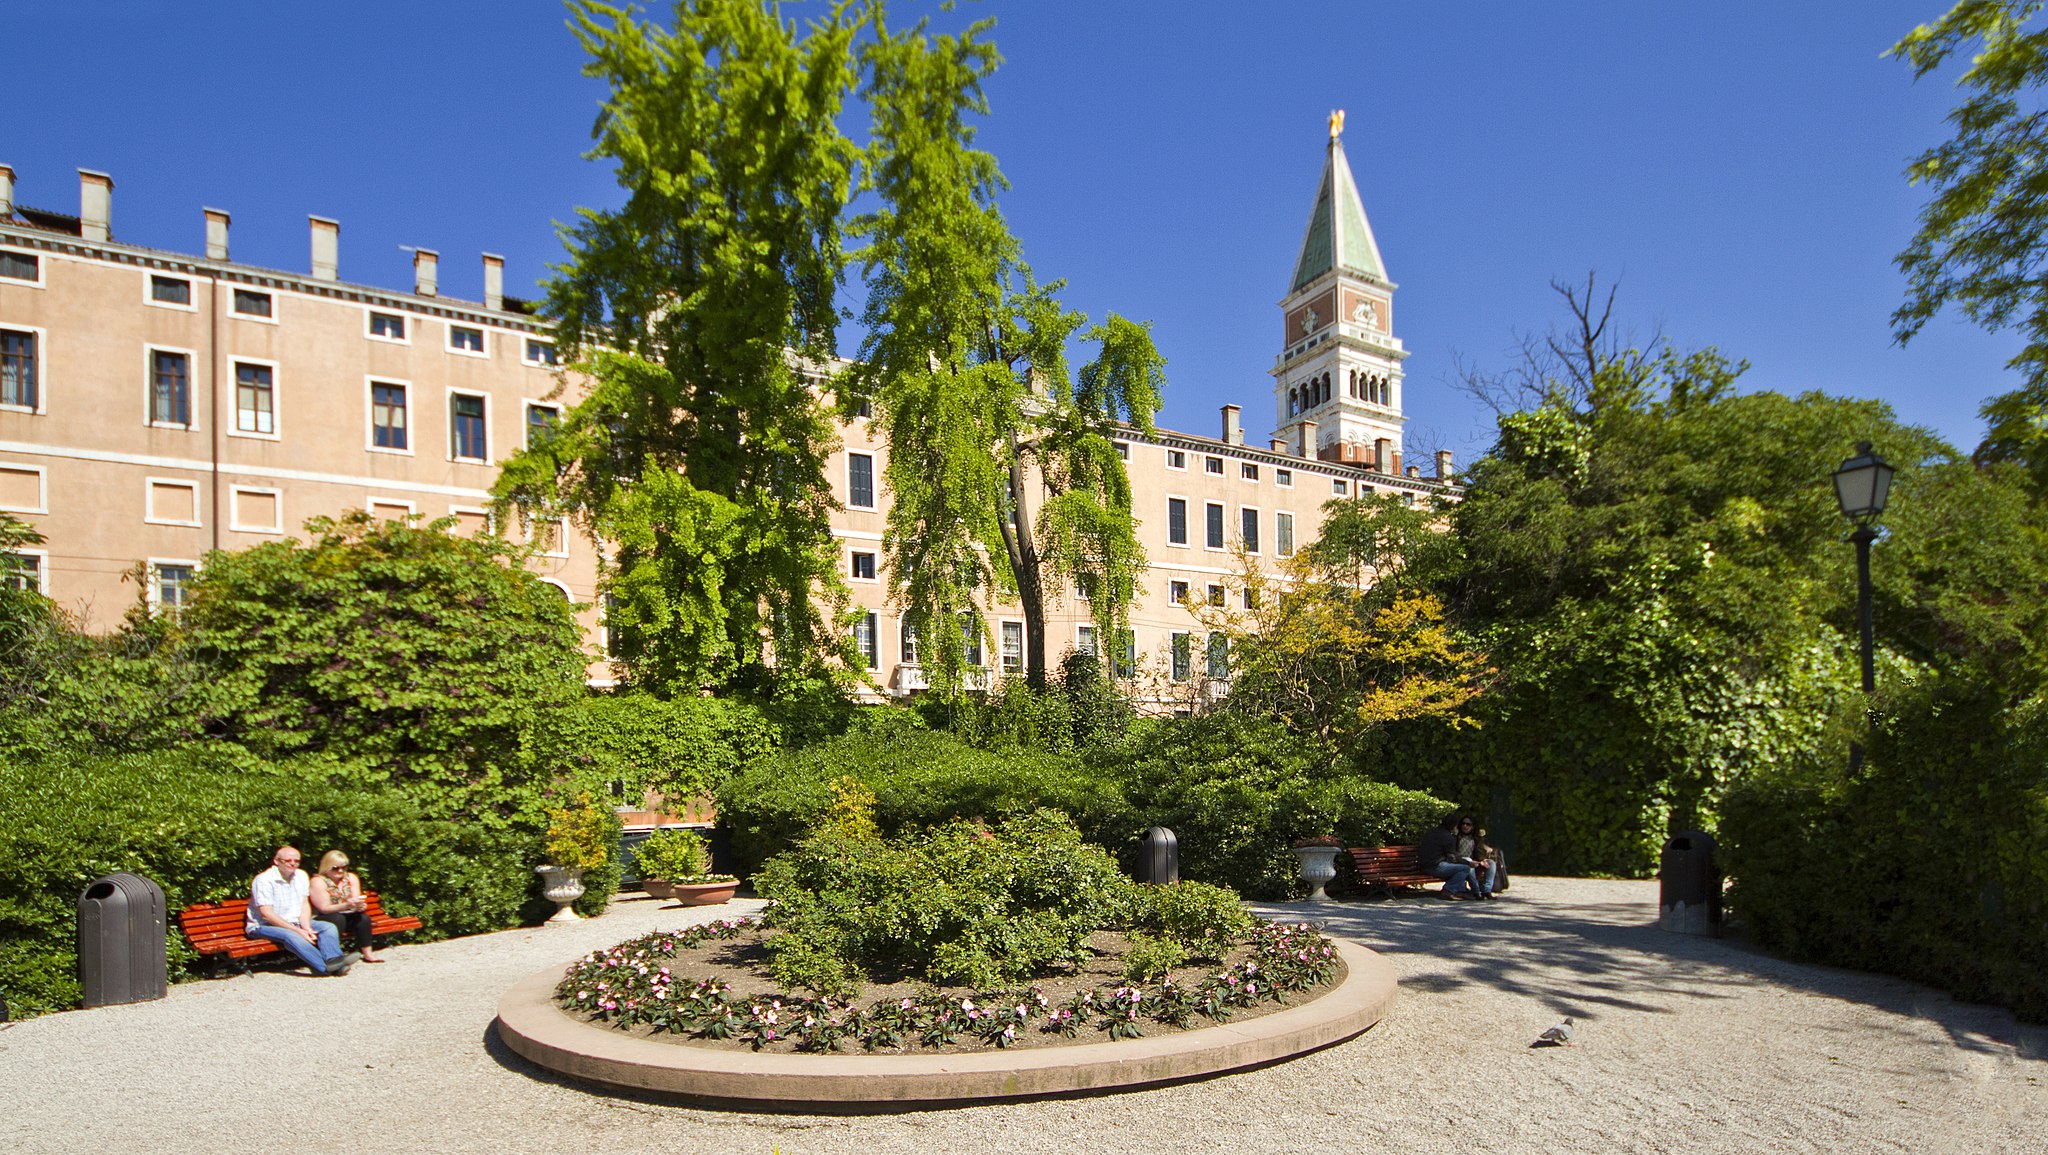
(677, 864)
(1318, 857)
(579, 839)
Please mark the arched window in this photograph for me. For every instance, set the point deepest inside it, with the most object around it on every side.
(1293, 402)
(1326, 387)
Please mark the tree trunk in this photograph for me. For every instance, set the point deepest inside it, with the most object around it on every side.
(1024, 564)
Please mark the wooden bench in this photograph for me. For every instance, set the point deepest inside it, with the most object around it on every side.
(1389, 867)
(215, 929)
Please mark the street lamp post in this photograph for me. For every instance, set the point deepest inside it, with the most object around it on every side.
(1862, 485)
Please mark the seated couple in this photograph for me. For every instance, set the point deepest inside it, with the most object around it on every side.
(306, 915)
(1457, 852)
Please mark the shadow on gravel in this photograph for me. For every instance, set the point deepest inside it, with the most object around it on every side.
(1580, 958)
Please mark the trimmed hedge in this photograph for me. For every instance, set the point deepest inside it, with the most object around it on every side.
(201, 825)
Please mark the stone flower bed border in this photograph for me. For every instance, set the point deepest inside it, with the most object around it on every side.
(536, 1028)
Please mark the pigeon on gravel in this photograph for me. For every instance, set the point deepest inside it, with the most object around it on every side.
(1557, 1036)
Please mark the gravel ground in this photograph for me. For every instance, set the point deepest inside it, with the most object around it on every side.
(1683, 1044)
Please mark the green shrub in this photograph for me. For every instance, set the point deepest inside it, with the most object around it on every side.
(201, 824)
(674, 856)
(1151, 958)
(627, 744)
(1204, 921)
(965, 904)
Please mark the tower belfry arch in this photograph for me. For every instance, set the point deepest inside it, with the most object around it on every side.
(1337, 382)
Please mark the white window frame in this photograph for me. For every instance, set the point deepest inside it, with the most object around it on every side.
(871, 653)
(1002, 657)
(149, 279)
(1250, 468)
(1171, 638)
(1220, 506)
(42, 268)
(1209, 459)
(370, 416)
(1340, 487)
(192, 406)
(874, 482)
(1123, 451)
(448, 407)
(154, 594)
(1280, 515)
(561, 525)
(233, 288)
(525, 352)
(1092, 647)
(234, 428)
(149, 487)
(526, 408)
(234, 509)
(1216, 595)
(568, 595)
(405, 319)
(482, 333)
(874, 555)
(906, 642)
(1172, 453)
(1186, 523)
(42, 486)
(42, 337)
(1187, 591)
(1258, 548)
(372, 501)
(490, 523)
(1283, 478)
(42, 556)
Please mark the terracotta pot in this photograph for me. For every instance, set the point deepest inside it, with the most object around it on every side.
(704, 893)
(658, 888)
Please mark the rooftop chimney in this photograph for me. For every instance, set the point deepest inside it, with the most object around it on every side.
(216, 234)
(1415, 471)
(1443, 465)
(1308, 439)
(1383, 455)
(494, 281)
(326, 248)
(6, 191)
(426, 272)
(95, 205)
(1276, 445)
(1233, 430)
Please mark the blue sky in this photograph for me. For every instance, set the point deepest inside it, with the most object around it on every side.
(1735, 165)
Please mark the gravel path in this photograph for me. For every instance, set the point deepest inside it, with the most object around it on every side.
(1684, 1044)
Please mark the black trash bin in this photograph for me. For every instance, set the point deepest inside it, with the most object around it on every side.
(1159, 857)
(121, 941)
(1690, 890)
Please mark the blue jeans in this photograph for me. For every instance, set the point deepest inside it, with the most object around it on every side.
(320, 960)
(1487, 876)
(1458, 878)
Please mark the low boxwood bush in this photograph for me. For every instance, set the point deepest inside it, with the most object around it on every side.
(201, 825)
(966, 903)
(1204, 921)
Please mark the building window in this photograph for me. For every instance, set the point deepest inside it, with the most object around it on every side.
(1216, 593)
(1175, 459)
(1283, 534)
(1084, 586)
(466, 425)
(464, 339)
(1123, 450)
(20, 266)
(170, 388)
(1219, 656)
(1340, 487)
(864, 409)
(170, 291)
(1176, 521)
(1084, 640)
(1214, 465)
(1251, 598)
(864, 637)
(250, 303)
(1125, 663)
(1177, 592)
(906, 640)
(541, 423)
(1013, 647)
(20, 385)
(970, 637)
(387, 416)
(1246, 471)
(863, 568)
(540, 352)
(255, 399)
(860, 480)
(1284, 478)
(1183, 657)
(1248, 520)
(171, 585)
(388, 326)
(22, 571)
(1215, 526)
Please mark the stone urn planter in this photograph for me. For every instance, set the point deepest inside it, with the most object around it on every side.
(1318, 867)
(561, 885)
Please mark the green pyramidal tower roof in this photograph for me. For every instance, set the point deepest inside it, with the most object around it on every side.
(1338, 236)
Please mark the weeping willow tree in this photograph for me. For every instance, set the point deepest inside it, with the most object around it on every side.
(1004, 477)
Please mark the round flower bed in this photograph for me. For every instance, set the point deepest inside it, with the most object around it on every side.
(635, 986)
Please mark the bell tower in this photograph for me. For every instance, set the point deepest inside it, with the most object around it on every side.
(1337, 381)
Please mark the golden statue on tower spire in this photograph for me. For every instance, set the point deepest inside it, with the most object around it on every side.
(1336, 123)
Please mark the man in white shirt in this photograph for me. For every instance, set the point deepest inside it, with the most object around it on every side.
(279, 911)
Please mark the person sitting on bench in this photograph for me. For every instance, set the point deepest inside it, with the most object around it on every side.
(338, 900)
(1437, 854)
(280, 912)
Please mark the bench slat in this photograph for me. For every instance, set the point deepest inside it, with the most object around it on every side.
(1390, 866)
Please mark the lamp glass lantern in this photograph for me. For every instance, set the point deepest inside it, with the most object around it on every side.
(1862, 484)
